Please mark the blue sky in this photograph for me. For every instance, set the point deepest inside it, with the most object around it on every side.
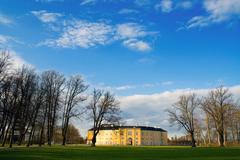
(137, 47)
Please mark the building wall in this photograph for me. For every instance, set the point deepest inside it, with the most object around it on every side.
(129, 136)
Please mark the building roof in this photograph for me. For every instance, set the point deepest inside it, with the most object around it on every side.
(113, 127)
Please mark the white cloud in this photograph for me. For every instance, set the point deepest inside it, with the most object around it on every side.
(218, 11)
(84, 2)
(185, 4)
(165, 6)
(132, 33)
(82, 34)
(137, 45)
(85, 34)
(5, 20)
(45, 16)
(17, 61)
(151, 109)
(130, 30)
(127, 11)
(125, 87)
(4, 39)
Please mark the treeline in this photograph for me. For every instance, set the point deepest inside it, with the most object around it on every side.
(209, 120)
(32, 105)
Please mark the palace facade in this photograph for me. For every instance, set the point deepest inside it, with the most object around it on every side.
(129, 135)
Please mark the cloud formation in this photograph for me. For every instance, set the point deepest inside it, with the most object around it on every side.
(151, 109)
(4, 39)
(85, 2)
(85, 34)
(218, 11)
(5, 20)
(45, 16)
(137, 45)
(165, 6)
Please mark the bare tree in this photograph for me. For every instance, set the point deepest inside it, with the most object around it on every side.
(183, 114)
(217, 105)
(73, 97)
(53, 87)
(25, 89)
(4, 62)
(37, 105)
(103, 108)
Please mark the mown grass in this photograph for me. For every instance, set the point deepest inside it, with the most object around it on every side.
(119, 153)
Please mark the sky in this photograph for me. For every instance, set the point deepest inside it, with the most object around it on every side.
(147, 52)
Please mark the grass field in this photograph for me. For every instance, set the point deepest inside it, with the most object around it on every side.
(119, 153)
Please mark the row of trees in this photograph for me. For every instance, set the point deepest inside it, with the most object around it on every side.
(215, 115)
(32, 105)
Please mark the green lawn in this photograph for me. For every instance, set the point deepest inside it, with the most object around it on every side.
(119, 153)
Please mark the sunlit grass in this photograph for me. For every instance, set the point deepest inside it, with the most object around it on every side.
(80, 152)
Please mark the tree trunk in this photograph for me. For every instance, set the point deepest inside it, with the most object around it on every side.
(193, 140)
(94, 140)
(65, 129)
(221, 139)
(12, 132)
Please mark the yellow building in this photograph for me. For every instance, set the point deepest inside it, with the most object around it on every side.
(129, 135)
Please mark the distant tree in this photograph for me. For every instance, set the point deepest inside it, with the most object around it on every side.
(73, 97)
(73, 135)
(103, 108)
(183, 114)
(217, 105)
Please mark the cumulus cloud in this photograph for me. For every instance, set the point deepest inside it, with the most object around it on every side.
(5, 20)
(85, 34)
(137, 45)
(45, 16)
(151, 109)
(82, 34)
(17, 61)
(218, 11)
(165, 6)
(132, 33)
(130, 30)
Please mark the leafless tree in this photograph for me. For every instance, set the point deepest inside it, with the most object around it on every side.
(73, 97)
(53, 85)
(103, 108)
(25, 89)
(217, 105)
(37, 104)
(4, 62)
(233, 122)
(183, 114)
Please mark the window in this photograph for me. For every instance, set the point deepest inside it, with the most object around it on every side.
(122, 133)
(129, 133)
